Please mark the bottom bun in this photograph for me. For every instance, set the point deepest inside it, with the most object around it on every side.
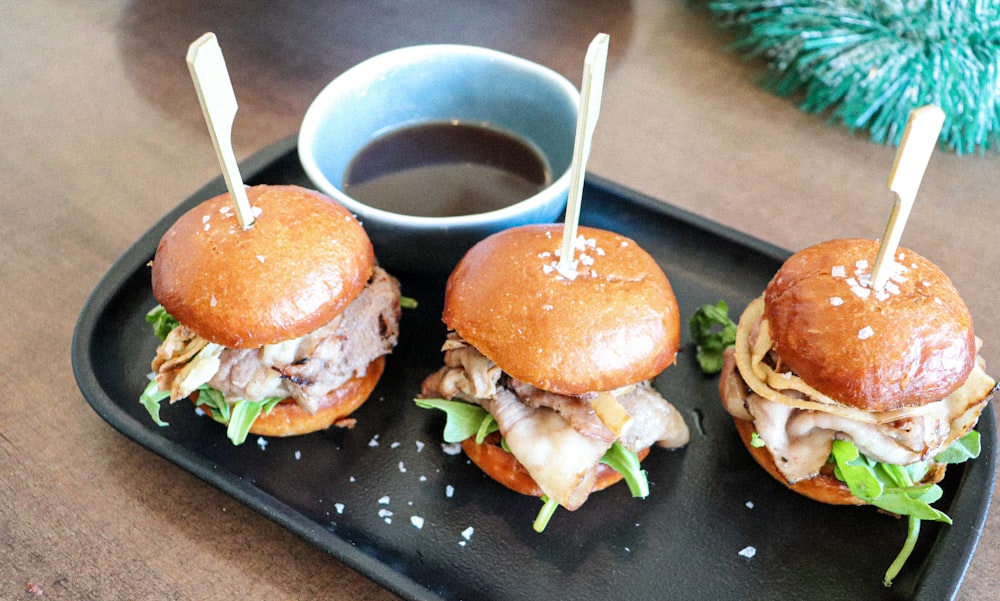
(507, 470)
(825, 487)
(287, 418)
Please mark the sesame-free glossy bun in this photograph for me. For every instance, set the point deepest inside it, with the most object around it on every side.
(909, 345)
(303, 260)
(824, 487)
(616, 323)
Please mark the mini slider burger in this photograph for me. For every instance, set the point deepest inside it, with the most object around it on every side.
(853, 395)
(547, 370)
(280, 329)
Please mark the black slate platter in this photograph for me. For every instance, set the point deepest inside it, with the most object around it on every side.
(387, 500)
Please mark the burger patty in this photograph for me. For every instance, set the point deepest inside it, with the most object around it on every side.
(305, 368)
(559, 439)
(800, 440)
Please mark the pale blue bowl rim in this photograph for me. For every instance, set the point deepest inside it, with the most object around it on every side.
(315, 113)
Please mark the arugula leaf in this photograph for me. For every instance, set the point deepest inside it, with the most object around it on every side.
(162, 321)
(713, 332)
(856, 471)
(912, 533)
(464, 419)
(238, 416)
(244, 414)
(891, 487)
(626, 463)
(544, 514)
(151, 398)
(961, 450)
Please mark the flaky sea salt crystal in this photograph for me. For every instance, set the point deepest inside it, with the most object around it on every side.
(861, 291)
(748, 552)
(839, 271)
(836, 301)
(417, 521)
(865, 333)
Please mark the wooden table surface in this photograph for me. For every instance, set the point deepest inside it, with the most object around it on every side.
(101, 134)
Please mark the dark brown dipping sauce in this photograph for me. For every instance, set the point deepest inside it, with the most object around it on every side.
(445, 169)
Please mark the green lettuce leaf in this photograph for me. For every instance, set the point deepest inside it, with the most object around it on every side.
(713, 332)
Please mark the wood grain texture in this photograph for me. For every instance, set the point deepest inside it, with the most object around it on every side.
(102, 134)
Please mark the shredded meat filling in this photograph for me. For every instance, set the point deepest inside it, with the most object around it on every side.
(305, 369)
(798, 425)
(559, 439)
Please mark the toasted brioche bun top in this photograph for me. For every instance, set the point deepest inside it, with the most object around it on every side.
(908, 345)
(616, 323)
(303, 260)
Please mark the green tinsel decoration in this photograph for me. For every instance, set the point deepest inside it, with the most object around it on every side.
(870, 62)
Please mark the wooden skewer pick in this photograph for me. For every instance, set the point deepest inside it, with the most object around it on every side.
(591, 89)
(218, 103)
(919, 139)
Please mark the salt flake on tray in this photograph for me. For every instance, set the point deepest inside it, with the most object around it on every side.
(417, 521)
(748, 552)
(467, 535)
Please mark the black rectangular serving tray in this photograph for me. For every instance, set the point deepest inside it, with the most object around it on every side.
(360, 494)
